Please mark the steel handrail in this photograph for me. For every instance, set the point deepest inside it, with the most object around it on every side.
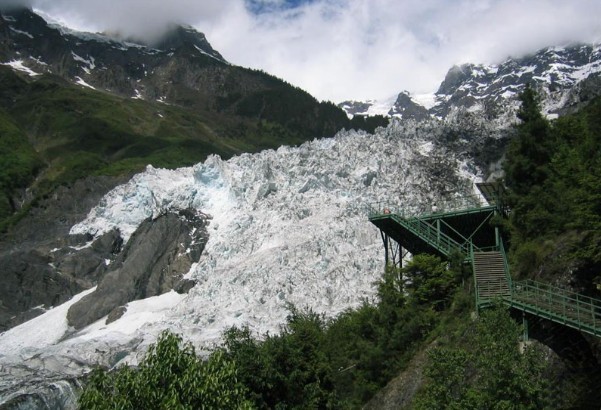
(464, 202)
(566, 306)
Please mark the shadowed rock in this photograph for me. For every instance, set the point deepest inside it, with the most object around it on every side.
(153, 262)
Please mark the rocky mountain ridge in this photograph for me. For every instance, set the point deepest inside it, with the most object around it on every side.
(181, 68)
(564, 77)
(99, 61)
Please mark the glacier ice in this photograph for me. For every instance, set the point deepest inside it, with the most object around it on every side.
(288, 226)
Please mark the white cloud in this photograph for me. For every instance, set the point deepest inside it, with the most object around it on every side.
(343, 49)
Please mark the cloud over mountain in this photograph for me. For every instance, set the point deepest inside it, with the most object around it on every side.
(341, 49)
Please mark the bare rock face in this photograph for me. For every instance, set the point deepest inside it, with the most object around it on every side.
(42, 265)
(153, 262)
(35, 279)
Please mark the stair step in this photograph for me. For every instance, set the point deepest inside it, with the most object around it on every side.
(489, 270)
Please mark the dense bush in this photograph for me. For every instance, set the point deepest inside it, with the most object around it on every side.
(171, 376)
(486, 370)
(315, 363)
(311, 363)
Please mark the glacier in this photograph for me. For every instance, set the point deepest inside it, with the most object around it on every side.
(287, 227)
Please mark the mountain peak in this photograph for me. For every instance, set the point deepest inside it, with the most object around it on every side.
(179, 36)
(565, 77)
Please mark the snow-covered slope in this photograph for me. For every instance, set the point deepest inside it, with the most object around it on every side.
(491, 90)
(288, 227)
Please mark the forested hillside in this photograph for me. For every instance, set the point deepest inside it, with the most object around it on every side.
(553, 173)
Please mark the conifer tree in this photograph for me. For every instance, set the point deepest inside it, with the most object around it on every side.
(529, 155)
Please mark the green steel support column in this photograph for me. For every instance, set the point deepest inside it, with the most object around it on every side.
(525, 323)
(385, 240)
(438, 230)
(497, 233)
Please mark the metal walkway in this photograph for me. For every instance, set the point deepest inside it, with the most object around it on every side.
(468, 232)
(558, 305)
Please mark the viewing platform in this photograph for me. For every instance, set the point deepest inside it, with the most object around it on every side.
(469, 227)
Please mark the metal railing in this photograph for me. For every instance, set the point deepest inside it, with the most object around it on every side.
(432, 236)
(461, 203)
(560, 305)
(501, 249)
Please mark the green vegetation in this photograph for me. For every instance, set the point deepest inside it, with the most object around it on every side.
(20, 164)
(486, 369)
(171, 377)
(553, 173)
(314, 362)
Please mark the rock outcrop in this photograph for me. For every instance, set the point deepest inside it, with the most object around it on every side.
(154, 261)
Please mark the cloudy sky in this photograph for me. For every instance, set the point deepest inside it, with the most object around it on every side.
(350, 49)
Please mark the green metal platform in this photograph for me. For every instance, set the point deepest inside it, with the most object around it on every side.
(470, 232)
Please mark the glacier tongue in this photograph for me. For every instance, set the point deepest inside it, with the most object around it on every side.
(288, 226)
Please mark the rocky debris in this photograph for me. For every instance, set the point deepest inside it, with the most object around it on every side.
(400, 391)
(115, 314)
(153, 262)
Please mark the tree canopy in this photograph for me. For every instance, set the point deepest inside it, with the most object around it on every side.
(553, 175)
(171, 376)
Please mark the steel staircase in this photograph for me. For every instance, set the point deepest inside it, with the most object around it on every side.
(491, 272)
(491, 276)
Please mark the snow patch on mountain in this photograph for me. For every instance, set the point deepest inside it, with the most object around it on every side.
(209, 55)
(40, 332)
(368, 108)
(425, 100)
(24, 33)
(139, 314)
(19, 66)
(80, 81)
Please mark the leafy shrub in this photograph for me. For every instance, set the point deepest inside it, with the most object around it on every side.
(170, 376)
(487, 371)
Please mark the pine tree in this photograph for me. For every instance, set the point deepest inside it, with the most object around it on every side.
(529, 152)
